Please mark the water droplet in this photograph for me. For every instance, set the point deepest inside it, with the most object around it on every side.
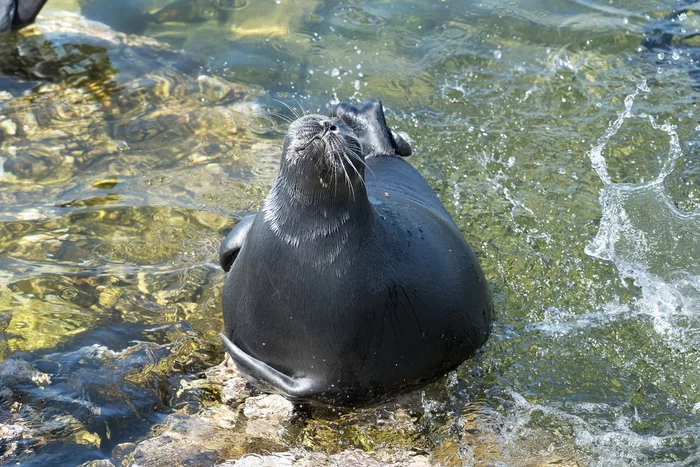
(498, 54)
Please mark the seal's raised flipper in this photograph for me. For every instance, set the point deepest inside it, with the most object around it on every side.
(264, 373)
(234, 241)
(368, 123)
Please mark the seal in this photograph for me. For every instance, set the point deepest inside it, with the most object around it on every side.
(352, 282)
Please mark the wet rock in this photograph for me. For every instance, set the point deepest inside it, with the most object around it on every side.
(233, 385)
(121, 451)
(10, 437)
(98, 463)
(188, 439)
(14, 372)
(268, 406)
(354, 458)
(368, 429)
(267, 415)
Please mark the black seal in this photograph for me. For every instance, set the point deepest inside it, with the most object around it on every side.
(353, 281)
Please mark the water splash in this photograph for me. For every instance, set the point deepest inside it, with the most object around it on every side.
(655, 247)
(649, 240)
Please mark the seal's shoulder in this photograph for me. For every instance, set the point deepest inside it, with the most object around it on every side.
(395, 178)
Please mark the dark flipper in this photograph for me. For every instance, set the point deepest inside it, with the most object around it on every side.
(263, 373)
(233, 242)
(368, 123)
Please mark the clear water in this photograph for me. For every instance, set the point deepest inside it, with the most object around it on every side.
(565, 151)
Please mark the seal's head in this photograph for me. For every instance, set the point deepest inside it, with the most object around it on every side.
(320, 188)
(323, 150)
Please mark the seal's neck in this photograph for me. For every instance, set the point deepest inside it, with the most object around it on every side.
(300, 210)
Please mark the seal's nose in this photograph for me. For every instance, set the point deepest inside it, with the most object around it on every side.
(331, 126)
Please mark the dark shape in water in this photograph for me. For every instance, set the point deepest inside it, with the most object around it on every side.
(134, 16)
(109, 382)
(658, 34)
(348, 287)
(194, 11)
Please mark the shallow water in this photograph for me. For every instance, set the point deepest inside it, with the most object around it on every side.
(566, 152)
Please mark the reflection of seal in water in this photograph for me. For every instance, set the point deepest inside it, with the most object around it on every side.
(351, 282)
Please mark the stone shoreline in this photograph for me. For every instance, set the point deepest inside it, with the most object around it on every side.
(248, 430)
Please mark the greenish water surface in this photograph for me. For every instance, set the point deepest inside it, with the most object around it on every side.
(564, 149)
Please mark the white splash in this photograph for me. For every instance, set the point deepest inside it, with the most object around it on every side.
(649, 240)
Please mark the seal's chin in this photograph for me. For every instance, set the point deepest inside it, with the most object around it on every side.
(330, 145)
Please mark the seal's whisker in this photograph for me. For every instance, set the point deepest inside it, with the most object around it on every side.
(336, 171)
(301, 107)
(347, 178)
(359, 159)
(337, 152)
(362, 180)
(335, 182)
(281, 116)
(294, 112)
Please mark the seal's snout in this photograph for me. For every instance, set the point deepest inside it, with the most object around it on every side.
(307, 130)
(331, 126)
(327, 145)
(316, 134)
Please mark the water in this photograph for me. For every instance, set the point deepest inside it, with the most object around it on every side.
(564, 149)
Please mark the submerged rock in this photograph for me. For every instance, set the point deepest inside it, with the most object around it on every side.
(85, 96)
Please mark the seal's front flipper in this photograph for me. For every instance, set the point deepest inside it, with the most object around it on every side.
(263, 373)
(233, 242)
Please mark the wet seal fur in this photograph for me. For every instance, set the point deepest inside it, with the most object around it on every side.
(353, 281)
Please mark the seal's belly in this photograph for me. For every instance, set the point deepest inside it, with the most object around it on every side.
(407, 304)
(353, 281)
